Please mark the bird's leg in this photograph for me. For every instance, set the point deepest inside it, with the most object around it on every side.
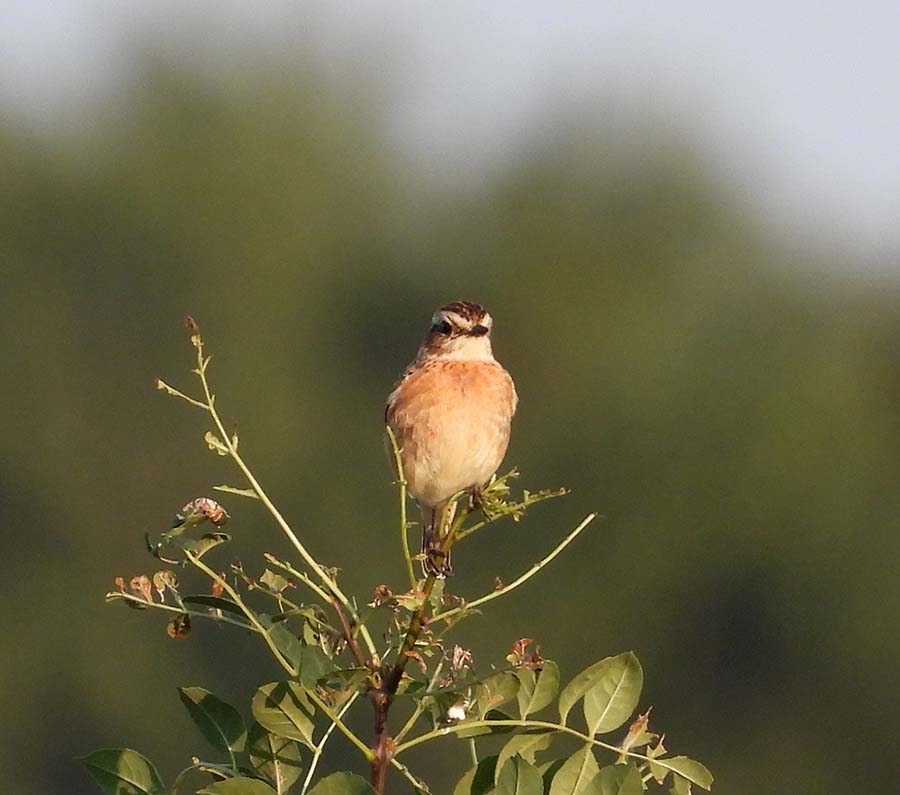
(476, 500)
(436, 560)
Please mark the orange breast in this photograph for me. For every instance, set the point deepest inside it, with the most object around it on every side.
(452, 421)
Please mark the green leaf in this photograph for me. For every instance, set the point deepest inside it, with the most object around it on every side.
(525, 745)
(285, 641)
(342, 784)
(123, 771)
(618, 780)
(537, 688)
(314, 665)
(273, 581)
(519, 778)
(479, 779)
(548, 770)
(604, 675)
(690, 769)
(277, 758)
(680, 785)
(285, 710)
(240, 785)
(576, 775)
(240, 492)
(215, 602)
(311, 662)
(495, 690)
(614, 694)
(219, 722)
(199, 547)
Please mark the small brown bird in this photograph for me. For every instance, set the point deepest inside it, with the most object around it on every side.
(450, 413)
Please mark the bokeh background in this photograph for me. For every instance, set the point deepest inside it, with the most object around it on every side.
(685, 223)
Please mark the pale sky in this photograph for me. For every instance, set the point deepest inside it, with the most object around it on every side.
(797, 104)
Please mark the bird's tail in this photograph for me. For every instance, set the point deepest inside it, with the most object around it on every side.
(435, 560)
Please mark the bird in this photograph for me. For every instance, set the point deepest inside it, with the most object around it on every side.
(450, 413)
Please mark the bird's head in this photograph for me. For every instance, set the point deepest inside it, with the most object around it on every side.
(460, 330)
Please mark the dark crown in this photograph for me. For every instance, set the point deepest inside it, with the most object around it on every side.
(466, 309)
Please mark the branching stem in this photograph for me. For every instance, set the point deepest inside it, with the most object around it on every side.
(523, 724)
(180, 610)
(330, 585)
(251, 616)
(524, 577)
(320, 746)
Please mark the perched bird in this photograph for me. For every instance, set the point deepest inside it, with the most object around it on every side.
(450, 413)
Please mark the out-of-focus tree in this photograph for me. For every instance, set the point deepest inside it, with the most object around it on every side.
(730, 410)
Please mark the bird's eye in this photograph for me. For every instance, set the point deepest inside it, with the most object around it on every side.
(442, 328)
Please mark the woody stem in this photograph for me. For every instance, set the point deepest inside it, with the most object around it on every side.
(383, 697)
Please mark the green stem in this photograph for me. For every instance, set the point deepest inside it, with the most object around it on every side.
(521, 724)
(304, 578)
(408, 774)
(404, 524)
(335, 718)
(524, 577)
(473, 750)
(420, 704)
(320, 746)
(317, 569)
(530, 724)
(181, 611)
(251, 616)
(511, 508)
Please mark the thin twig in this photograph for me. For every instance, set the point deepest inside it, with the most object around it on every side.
(160, 384)
(420, 705)
(410, 776)
(317, 751)
(349, 636)
(180, 611)
(511, 509)
(335, 719)
(251, 616)
(231, 448)
(404, 524)
(523, 724)
(532, 724)
(302, 576)
(521, 579)
(473, 750)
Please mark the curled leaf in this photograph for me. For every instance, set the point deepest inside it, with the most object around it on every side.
(274, 582)
(205, 543)
(215, 443)
(414, 655)
(198, 511)
(163, 580)
(141, 586)
(179, 627)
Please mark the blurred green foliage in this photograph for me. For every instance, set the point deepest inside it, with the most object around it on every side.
(729, 409)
